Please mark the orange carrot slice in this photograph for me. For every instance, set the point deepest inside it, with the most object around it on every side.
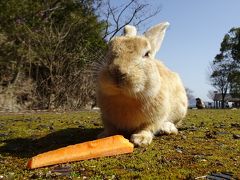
(108, 146)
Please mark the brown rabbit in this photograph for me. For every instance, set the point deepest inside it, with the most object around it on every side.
(137, 94)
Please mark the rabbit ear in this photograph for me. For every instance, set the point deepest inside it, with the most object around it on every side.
(155, 36)
(130, 30)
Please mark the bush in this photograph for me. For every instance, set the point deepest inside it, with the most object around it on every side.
(52, 46)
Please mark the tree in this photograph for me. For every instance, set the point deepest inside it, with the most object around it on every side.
(190, 96)
(225, 68)
(211, 94)
(51, 42)
(220, 78)
(189, 93)
(234, 53)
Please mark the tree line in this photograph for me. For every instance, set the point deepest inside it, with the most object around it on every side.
(48, 49)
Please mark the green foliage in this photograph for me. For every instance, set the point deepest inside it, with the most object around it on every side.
(235, 53)
(51, 42)
(225, 75)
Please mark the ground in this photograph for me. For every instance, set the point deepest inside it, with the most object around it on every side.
(208, 142)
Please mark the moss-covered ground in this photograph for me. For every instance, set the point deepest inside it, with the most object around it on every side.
(208, 142)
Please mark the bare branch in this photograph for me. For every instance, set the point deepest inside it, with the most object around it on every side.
(123, 25)
(148, 17)
(134, 11)
(107, 24)
(112, 12)
(125, 8)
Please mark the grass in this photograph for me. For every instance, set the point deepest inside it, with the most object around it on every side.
(208, 142)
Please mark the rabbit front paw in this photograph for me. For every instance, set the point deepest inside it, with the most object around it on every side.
(142, 138)
(169, 128)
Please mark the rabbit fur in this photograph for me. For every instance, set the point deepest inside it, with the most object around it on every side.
(137, 94)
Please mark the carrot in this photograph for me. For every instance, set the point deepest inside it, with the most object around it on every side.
(108, 146)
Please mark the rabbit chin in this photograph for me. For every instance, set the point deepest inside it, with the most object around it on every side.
(133, 91)
(140, 91)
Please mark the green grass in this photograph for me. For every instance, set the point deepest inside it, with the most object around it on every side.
(204, 145)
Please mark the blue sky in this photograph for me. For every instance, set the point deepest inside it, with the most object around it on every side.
(194, 37)
(196, 30)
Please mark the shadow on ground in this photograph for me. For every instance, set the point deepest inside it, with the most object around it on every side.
(28, 147)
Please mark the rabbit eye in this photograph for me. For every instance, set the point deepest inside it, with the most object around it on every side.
(146, 54)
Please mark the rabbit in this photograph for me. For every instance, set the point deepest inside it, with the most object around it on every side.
(137, 94)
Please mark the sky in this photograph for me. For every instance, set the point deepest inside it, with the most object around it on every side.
(194, 37)
(197, 28)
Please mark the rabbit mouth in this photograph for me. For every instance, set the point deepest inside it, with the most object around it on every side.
(119, 78)
(126, 84)
(127, 87)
